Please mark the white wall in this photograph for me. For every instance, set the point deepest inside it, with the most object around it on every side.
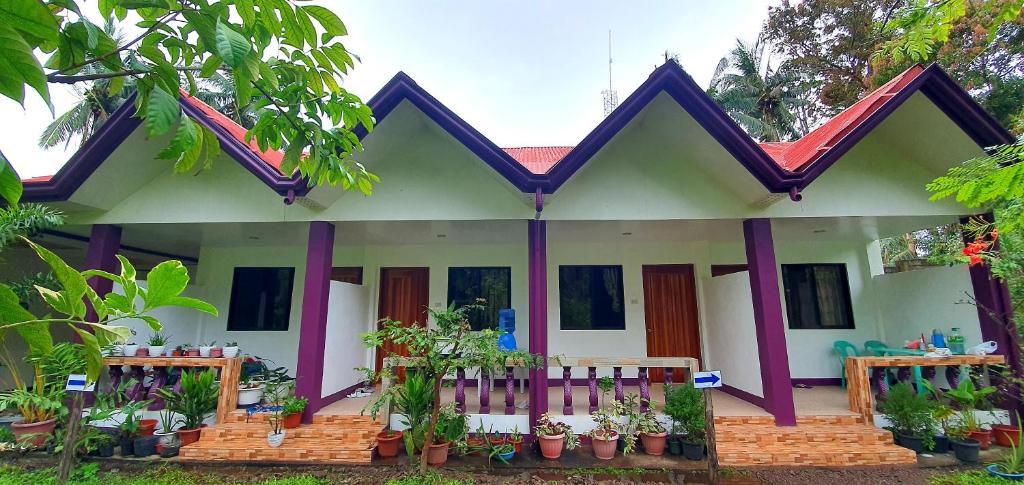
(180, 325)
(731, 343)
(916, 302)
(343, 349)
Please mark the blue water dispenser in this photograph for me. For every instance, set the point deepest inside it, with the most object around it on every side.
(507, 327)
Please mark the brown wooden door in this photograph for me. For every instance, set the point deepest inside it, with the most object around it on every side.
(404, 295)
(670, 314)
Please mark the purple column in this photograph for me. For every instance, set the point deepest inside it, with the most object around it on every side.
(538, 277)
(309, 373)
(645, 391)
(771, 332)
(592, 384)
(881, 379)
(485, 392)
(567, 391)
(138, 391)
(668, 375)
(104, 241)
(159, 381)
(460, 389)
(510, 391)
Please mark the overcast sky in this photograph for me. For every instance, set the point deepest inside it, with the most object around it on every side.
(524, 73)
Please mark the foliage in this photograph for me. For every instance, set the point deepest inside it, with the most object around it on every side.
(607, 424)
(45, 399)
(158, 339)
(279, 54)
(922, 26)
(131, 411)
(910, 413)
(549, 427)
(25, 288)
(759, 96)
(1013, 461)
(196, 400)
(970, 477)
(26, 220)
(294, 405)
(6, 435)
(89, 439)
(649, 423)
(605, 384)
(451, 427)
(434, 351)
(685, 405)
(629, 410)
(968, 399)
(412, 400)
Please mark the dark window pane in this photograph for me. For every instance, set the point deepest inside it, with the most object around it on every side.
(493, 285)
(261, 299)
(590, 298)
(817, 296)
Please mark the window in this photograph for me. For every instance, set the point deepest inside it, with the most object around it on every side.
(817, 296)
(590, 298)
(261, 299)
(466, 285)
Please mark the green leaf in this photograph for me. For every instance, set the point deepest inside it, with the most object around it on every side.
(31, 17)
(246, 10)
(72, 282)
(10, 183)
(292, 32)
(153, 323)
(161, 112)
(137, 4)
(306, 25)
(232, 47)
(36, 335)
(210, 66)
(193, 303)
(165, 281)
(331, 23)
(106, 8)
(184, 138)
(93, 355)
(19, 66)
(243, 86)
(191, 155)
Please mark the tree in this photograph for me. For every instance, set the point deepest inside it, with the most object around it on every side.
(760, 97)
(280, 55)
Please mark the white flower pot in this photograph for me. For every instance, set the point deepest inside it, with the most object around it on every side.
(275, 439)
(156, 350)
(204, 351)
(168, 439)
(248, 397)
(230, 352)
(130, 350)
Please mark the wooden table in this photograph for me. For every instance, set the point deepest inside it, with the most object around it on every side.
(230, 373)
(858, 384)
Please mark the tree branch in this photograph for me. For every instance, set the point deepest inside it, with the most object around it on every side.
(161, 21)
(61, 79)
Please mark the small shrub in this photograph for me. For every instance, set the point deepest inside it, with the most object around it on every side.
(976, 477)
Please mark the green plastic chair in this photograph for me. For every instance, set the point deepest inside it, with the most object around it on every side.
(871, 348)
(844, 349)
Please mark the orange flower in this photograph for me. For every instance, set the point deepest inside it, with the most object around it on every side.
(975, 260)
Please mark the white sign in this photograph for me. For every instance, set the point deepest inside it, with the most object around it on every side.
(711, 378)
(77, 382)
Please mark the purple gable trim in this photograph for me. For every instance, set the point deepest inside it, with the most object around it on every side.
(309, 373)
(768, 324)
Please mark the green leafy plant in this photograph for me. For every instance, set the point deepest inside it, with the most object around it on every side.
(131, 412)
(158, 340)
(452, 426)
(413, 400)
(910, 413)
(196, 400)
(649, 423)
(629, 410)
(45, 400)
(606, 385)
(685, 405)
(294, 405)
(968, 399)
(549, 427)
(1013, 461)
(6, 435)
(606, 424)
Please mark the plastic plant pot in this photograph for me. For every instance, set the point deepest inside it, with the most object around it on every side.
(912, 443)
(145, 446)
(605, 446)
(1005, 435)
(169, 451)
(941, 445)
(693, 451)
(34, 434)
(993, 470)
(654, 443)
(437, 454)
(127, 446)
(387, 443)
(965, 450)
(551, 446)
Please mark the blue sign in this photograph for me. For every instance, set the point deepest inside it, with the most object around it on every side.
(77, 382)
(711, 378)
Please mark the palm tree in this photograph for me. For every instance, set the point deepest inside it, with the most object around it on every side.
(96, 101)
(760, 97)
(218, 91)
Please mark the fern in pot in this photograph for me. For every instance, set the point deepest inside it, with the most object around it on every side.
(911, 416)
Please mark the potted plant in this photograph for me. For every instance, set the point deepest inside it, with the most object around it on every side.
(190, 350)
(275, 437)
(942, 414)
(685, 405)
(40, 402)
(412, 400)
(516, 440)
(387, 443)
(130, 349)
(652, 433)
(964, 447)
(451, 427)
(911, 416)
(291, 410)
(554, 436)
(166, 436)
(157, 342)
(216, 352)
(231, 350)
(1011, 466)
(179, 351)
(204, 349)
(629, 412)
(196, 399)
(605, 436)
(495, 438)
(129, 426)
(967, 399)
(504, 452)
(476, 444)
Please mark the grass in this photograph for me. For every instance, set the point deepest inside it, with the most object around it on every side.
(89, 474)
(431, 478)
(975, 477)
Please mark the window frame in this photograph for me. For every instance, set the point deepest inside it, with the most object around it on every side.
(844, 293)
(232, 301)
(562, 295)
(508, 282)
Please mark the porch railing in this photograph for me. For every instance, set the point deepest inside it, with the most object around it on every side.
(484, 382)
(643, 365)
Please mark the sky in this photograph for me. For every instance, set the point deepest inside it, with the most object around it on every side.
(523, 73)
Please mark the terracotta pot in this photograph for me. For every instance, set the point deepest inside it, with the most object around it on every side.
(34, 434)
(292, 421)
(654, 444)
(177, 353)
(142, 352)
(551, 446)
(518, 444)
(605, 446)
(437, 454)
(216, 352)
(146, 427)
(387, 443)
(189, 436)
(1005, 435)
(983, 437)
(192, 353)
(475, 444)
(496, 441)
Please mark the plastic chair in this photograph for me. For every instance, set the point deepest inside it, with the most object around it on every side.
(844, 349)
(871, 348)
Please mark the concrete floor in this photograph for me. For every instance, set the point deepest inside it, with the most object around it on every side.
(823, 400)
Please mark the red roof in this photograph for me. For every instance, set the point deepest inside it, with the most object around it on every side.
(272, 157)
(538, 159)
(794, 156)
(37, 180)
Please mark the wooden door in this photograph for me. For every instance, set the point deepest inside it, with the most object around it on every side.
(404, 295)
(670, 314)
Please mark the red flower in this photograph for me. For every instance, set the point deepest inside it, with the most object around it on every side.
(975, 259)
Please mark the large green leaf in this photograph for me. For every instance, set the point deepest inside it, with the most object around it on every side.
(165, 281)
(330, 21)
(72, 282)
(10, 183)
(184, 138)
(19, 66)
(100, 335)
(161, 112)
(232, 47)
(31, 17)
(36, 335)
(193, 303)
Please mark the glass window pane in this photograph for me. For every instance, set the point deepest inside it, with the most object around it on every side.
(817, 296)
(261, 299)
(492, 284)
(591, 298)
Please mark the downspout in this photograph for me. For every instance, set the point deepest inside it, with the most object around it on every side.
(538, 203)
(289, 199)
(794, 194)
